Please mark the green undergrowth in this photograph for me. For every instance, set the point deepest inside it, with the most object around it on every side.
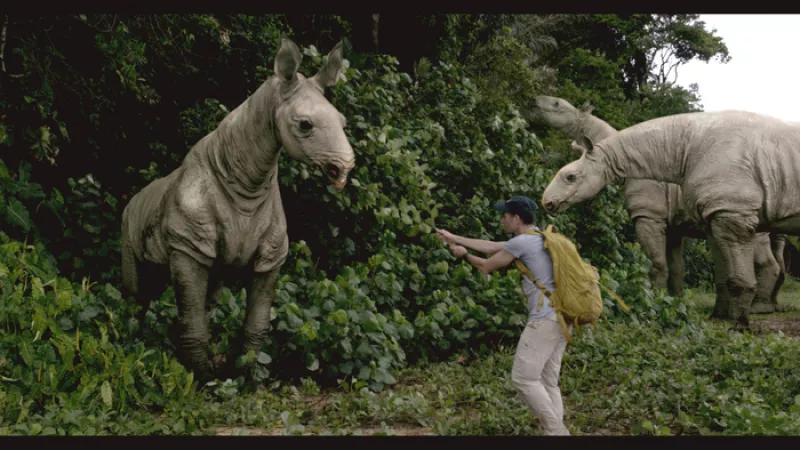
(73, 361)
(618, 379)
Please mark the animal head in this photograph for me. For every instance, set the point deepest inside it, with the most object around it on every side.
(578, 181)
(311, 129)
(559, 113)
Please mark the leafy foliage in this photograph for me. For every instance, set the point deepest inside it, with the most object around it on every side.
(359, 312)
(367, 288)
(69, 350)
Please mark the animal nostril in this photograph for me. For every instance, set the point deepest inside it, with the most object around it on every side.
(332, 170)
(548, 205)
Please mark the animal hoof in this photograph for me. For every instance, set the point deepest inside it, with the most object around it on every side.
(203, 378)
(740, 327)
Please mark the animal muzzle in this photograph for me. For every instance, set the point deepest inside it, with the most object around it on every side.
(336, 177)
(339, 184)
(552, 206)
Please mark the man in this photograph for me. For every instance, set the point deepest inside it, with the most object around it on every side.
(537, 362)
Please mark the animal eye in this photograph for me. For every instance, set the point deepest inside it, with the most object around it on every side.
(305, 125)
(571, 178)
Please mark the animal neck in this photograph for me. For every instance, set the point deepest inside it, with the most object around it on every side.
(644, 151)
(572, 128)
(244, 154)
(595, 128)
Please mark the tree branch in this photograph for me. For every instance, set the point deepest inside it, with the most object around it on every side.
(3, 43)
(94, 27)
(665, 59)
(114, 21)
(3, 37)
(673, 66)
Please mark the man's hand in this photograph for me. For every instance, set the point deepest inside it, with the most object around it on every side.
(445, 236)
(457, 250)
(479, 245)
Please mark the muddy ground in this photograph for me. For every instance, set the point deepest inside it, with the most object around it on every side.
(789, 325)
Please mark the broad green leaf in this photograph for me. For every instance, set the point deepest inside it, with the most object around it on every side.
(264, 358)
(339, 316)
(105, 393)
(17, 214)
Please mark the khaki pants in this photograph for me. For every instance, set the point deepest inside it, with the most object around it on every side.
(537, 365)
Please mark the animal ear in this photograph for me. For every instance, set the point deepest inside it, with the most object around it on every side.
(587, 107)
(287, 61)
(328, 75)
(586, 141)
(577, 147)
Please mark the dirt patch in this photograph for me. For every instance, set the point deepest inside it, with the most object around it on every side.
(400, 430)
(790, 326)
(243, 431)
(317, 402)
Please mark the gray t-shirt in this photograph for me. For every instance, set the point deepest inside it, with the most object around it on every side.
(529, 248)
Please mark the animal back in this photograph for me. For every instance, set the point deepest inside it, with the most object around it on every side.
(145, 213)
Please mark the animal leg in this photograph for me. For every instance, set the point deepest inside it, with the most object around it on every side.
(257, 314)
(778, 244)
(190, 280)
(675, 263)
(721, 304)
(767, 272)
(651, 234)
(130, 283)
(259, 305)
(734, 235)
(789, 255)
(131, 273)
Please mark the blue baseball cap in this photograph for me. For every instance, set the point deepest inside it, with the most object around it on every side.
(516, 204)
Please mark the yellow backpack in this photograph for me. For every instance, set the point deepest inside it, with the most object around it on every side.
(577, 296)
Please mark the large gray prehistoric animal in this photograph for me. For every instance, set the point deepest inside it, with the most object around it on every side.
(219, 215)
(660, 219)
(739, 173)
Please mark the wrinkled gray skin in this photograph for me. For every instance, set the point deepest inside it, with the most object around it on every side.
(660, 219)
(738, 172)
(219, 215)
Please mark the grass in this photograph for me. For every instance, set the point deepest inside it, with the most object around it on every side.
(616, 380)
(619, 379)
(788, 298)
(623, 379)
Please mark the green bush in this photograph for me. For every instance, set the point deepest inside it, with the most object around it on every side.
(70, 349)
(431, 153)
(382, 288)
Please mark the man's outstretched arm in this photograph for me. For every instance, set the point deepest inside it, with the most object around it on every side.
(480, 245)
(499, 260)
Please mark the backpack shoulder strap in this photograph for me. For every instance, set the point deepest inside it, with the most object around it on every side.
(524, 270)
